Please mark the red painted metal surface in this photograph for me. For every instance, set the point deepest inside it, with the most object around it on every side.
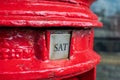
(47, 13)
(25, 27)
(24, 54)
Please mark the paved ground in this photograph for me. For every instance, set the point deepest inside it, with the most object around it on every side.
(109, 69)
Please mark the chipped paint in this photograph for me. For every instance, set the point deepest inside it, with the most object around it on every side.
(25, 45)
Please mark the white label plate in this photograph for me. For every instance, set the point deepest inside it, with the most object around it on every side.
(59, 45)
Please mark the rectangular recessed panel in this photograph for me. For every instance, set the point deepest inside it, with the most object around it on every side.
(59, 45)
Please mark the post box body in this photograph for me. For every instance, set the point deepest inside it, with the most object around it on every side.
(47, 40)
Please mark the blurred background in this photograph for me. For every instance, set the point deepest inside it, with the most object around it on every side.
(107, 39)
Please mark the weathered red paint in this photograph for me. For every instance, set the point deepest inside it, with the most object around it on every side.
(25, 27)
(47, 13)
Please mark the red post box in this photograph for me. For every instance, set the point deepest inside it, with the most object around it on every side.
(47, 40)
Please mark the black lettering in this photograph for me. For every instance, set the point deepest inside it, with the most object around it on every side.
(65, 46)
(56, 47)
(60, 47)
